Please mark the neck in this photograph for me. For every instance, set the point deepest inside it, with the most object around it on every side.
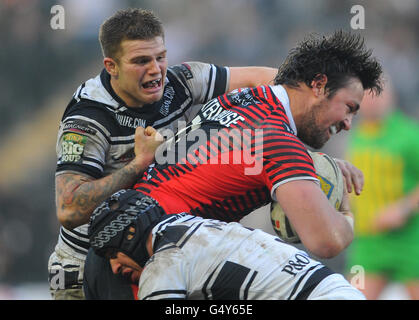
(128, 101)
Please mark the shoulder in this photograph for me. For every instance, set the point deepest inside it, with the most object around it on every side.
(94, 96)
(199, 71)
(189, 70)
(89, 113)
(87, 108)
(204, 81)
(93, 103)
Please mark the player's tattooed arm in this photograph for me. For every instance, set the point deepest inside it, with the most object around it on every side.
(77, 195)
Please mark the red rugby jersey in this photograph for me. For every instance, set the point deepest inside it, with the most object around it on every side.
(229, 161)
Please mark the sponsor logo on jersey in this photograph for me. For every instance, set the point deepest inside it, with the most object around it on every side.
(72, 147)
(186, 70)
(168, 96)
(242, 97)
(296, 264)
(213, 111)
(127, 121)
(78, 126)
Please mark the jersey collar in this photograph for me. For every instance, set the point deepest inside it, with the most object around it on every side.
(105, 78)
(282, 96)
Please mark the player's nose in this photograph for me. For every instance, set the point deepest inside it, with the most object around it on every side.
(347, 123)
(154, 67)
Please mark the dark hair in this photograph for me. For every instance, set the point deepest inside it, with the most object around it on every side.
(131, 24)
(340, 56)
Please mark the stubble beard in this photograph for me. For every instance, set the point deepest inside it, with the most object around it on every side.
(309, 131)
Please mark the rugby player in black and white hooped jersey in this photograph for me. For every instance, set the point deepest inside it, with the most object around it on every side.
(180, 256)
(107, 135)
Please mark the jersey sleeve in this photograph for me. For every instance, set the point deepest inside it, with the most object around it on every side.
(82, 143)
(164, 277)
(204, 81)
(285, 159)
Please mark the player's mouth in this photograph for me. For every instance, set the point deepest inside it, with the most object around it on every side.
(333, 130)
(152, 85)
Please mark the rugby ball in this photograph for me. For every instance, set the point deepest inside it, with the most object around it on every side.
(331, 182)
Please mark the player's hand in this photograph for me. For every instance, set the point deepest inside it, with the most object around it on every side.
(392, 217)
(353, 176)
(147, 140)
(345, 204)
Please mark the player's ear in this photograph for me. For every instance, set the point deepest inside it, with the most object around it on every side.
(111, 66)
(318, 85)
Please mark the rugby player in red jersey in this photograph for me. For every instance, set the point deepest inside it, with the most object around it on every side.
(316, 93)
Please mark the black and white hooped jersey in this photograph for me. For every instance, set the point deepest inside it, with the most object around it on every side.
(198, 258)
(96, 133)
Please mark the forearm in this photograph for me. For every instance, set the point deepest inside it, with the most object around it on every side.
(328, 237)
(345, 231)
(77, 196)
(241, 77)
(264, 76)
(343, 224)
(322, 230)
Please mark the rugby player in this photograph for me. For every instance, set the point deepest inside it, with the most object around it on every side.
(196, 258)
(105, 140)
(316, 93)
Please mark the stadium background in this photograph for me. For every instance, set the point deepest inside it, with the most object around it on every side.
(42, 67)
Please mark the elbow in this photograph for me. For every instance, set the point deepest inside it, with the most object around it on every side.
(71, 202)
(330, 241)
(327, 251)
(65, 219)
(330, 248)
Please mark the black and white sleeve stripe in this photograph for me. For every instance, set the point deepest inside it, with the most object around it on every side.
(308, 282)
(168, 294)
(218, 82)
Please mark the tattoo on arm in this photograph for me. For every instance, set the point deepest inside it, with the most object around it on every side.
(77, 196)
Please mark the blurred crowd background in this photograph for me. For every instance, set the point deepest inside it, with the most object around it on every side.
(42, 67)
